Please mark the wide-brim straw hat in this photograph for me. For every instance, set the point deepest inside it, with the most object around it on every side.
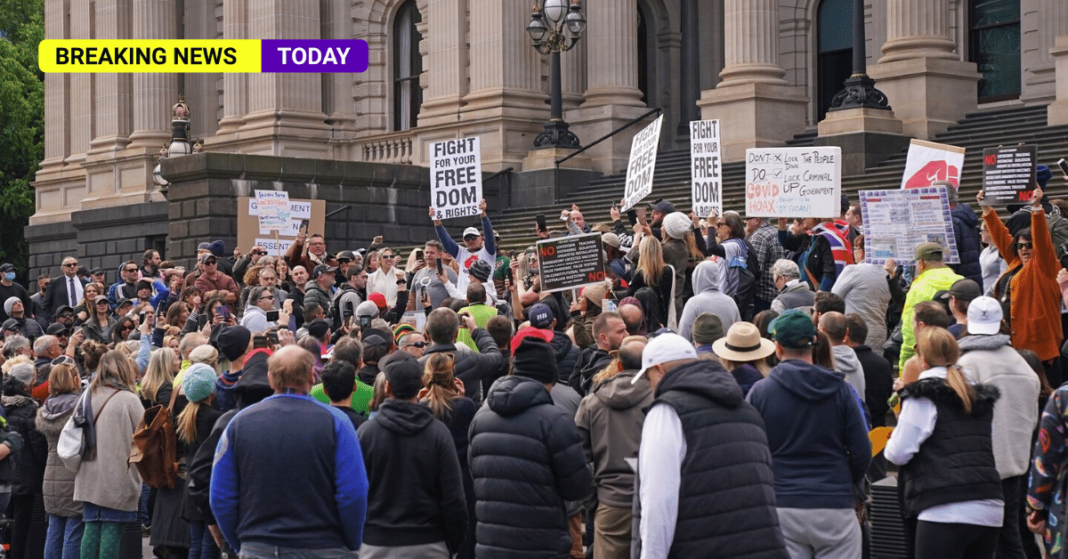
(742, 343)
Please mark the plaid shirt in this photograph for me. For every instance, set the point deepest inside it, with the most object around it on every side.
(765, 241)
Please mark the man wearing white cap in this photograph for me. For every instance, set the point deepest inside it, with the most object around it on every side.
(987, 358)
(473, 250)
(699, 439)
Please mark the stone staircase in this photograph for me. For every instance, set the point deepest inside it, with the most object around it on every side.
(672, 180)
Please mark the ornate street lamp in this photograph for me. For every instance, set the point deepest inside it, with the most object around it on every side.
(556, 27)
(860, 91)
(180, 144)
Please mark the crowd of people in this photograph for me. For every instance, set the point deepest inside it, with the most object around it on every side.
(713, 397)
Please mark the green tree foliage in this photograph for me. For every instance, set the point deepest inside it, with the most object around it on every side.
(21, 122)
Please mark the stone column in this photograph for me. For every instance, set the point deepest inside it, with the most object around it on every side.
(446, 61)
(611, 44)
(928, 85)
(1058, 110)
(81, 88)
(57, 93)
(338, 88)
(1048, 19)
(153, 94)
(113, 91)
(754, 104)
(235, 86)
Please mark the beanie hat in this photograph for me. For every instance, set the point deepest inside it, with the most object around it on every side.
(233, 341)
(22, 373)
(198, 382)
(217, 248)
(534, 358)
(404, 374)
(707, 328)
(378, 299)
(1042, 176)
(480, 270)
(10, 302)
(595, 292)
(318, 328)
(794, 329)
(677, 224)
(610, 239)
(401, 330)
(367, 308)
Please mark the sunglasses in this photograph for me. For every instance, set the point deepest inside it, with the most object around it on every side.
(74, 265)
(209, 263)
(470, 238)
(419, 345)
(271, 297)
(258, 253)
(721, 224)
(1026, 245)
(130, 270)
(62, 360)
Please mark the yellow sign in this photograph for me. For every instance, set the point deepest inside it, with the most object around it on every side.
(879, 437)
(134, 55)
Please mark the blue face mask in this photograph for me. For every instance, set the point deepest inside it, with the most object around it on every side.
(9, 276)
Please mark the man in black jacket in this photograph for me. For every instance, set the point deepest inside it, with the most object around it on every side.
(608, 332)
(526, 460)
(416, 505)
(442, 326)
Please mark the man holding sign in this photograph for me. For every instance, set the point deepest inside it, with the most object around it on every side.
(474, 248)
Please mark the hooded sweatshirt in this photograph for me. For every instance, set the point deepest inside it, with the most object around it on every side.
(817, 435)
(609, 421)
(846, 362)
(708, 298)
(416, 491)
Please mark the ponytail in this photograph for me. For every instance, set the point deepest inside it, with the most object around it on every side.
(187, 422)
(938, 348)
(440, 385)
(964, 389)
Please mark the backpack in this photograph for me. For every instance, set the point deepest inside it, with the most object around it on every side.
(747, 265)
(154, 450)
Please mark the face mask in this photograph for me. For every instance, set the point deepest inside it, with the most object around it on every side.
(9, 276)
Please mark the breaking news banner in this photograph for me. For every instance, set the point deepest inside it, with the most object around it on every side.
(570, 262)
(203, 55)
(706, 167)
(455, 177)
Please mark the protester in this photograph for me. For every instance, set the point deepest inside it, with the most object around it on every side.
(194, 424)
(865, 288)
(821, 252)
(708, 298)
(653, 274)
(442, 327)
(878, 373)
(66, 290)
(990, 260)
(477, 245)
(21, 411)
(64, 537)
(792, 293)
(834, 325)
(608, 331)
(763, 237)
(966, 234)
(744, 353)
(932, 275)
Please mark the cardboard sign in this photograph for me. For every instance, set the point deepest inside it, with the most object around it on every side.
(706, 167)
(455, 178)
(929, 162)
(896, 221)
(642, 164)
(272, 209)
(249, 232)
(570, 262)
(1009, 174)
(793, 182)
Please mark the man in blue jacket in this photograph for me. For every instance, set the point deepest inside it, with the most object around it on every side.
(289, 475)
(819, 444)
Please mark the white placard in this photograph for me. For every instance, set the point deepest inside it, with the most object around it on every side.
(274, 247)
(929, 162)
(455, 178)
(793, 182)
(706, 167)
(297, 209)
(272, 209)
(642, 164)
(896, 221)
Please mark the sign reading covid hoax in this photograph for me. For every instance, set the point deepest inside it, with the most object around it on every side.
(570, 262)
(706, 167)
(642, 164)
(793, 182)
(455, 178)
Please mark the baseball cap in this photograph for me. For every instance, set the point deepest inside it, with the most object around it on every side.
(11, 324)
(965, 290)
(69, 309)
(207, 256)
(378, 299)
(540, 315)
(345, 256)
(984, 316)
(96, 271)
(322, 269)
(663, 349)
(793, 329)
(105, 299)
(928, 251)
(122, 302)
(471, 231)
(7, 267)
(662, 205)
(56, 328)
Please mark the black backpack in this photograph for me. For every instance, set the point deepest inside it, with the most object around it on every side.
(748, 267)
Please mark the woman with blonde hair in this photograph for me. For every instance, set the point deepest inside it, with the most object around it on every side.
(194, 425)
(89, 294)
(108, 487)
(943, 445)
(653, 273)
(64, 536)
(156, 386)
(385, 279)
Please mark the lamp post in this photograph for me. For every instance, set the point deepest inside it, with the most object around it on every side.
(555, 27)
(180, 144)
(860, 91)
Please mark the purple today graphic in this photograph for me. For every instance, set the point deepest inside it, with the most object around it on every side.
(313, 55)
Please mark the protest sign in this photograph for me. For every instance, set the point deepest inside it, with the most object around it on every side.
(1009, 174)
(793, 182)
(642, 164)
(455, 178)
(570, 262)
(896, 221)
(929, 162)
(706, 167)
(249, 232)
(272, 209)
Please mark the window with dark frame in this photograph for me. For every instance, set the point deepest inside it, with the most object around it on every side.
(407, 66)
(994, 46)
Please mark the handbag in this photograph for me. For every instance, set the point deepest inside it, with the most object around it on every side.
(71, 447)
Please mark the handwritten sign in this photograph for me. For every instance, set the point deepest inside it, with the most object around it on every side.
(272, 209)
(249, 232)
(706, 167)
(642, 164)
(570, 262)
(896, 221)
(928, 162)
(456, 177)
(1009, 174)
(793, 182)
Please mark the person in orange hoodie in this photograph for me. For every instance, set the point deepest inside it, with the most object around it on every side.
(1028, 291)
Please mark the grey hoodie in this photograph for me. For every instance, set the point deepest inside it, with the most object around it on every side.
(708, 298)
(846, 362)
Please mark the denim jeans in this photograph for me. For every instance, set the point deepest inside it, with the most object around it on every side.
(201, 544)
(64, 539)
(261, 551)
(142, 506)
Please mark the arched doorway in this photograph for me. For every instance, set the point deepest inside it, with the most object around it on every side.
(994, 41)
(834, 58)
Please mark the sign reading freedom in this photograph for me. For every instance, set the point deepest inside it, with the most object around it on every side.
(570, 262)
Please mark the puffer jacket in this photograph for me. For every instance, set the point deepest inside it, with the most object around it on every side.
(58, 486)
(30, 463)
(966, 233)
(526, 460)
(567, 354)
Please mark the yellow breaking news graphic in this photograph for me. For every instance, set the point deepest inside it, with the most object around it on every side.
(133, 55)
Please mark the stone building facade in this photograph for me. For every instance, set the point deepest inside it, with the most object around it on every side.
(451, 68)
